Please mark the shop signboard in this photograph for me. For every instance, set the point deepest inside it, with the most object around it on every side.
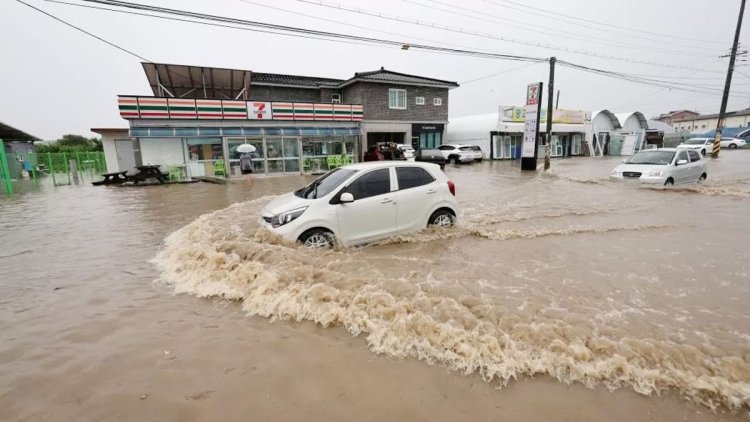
(531, 121)
(517, 115)
(259, 110)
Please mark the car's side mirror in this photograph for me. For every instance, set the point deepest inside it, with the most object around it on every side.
(346, 197)
(681, 162)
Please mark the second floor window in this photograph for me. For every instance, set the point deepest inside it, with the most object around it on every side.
(397, 99)
(419, 100)
(437, 101)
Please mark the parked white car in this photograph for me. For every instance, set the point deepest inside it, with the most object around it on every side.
(408, 151)
(363, 202)
(706, 145)
(474, 151)
(666, 166)
(453, 154)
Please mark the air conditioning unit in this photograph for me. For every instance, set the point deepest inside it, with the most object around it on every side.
(336, 98)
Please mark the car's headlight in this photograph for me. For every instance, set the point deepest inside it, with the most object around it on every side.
(287, 217)
(654, 173)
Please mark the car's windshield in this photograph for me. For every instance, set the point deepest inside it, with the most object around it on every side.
(652, 157)
(695, 142)
(325, 184)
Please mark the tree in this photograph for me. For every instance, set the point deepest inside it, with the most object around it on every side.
(71, 143)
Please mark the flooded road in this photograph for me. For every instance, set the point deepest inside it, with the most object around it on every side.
(560, 296)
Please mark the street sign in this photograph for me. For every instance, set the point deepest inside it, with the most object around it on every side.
(531, 126)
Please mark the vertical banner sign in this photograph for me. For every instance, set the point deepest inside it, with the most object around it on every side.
(531, 122)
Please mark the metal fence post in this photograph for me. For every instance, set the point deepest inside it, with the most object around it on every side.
(5, 170)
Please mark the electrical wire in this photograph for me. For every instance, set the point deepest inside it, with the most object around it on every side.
(541, 29)
(488, 36)
(558, 17)
(496, 74)
(85, 32)
(338, 37)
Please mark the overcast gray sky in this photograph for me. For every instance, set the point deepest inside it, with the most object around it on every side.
(56, 80)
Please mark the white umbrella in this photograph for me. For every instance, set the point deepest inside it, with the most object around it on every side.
(246, 148)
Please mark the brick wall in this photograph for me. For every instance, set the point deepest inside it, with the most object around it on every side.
(374, 98)
(353, 94)
(276, 93)
(326, 94)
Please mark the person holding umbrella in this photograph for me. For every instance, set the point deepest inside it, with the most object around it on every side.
(246, 159)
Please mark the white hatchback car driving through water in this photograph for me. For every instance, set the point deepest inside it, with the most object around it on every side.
(363, 202)
(666, 166)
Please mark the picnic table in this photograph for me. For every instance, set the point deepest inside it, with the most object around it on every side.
(112, 178)
(148, 172)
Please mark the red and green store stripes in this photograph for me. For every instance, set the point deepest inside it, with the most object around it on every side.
(181, 108)
(283, 111)
(357, 113)
(208, 109)
(128, 107)
(153, 108)
(323, 111)
(304, 111)
(234, 109)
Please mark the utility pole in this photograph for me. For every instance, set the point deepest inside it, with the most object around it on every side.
(550, 98)
(727, 84)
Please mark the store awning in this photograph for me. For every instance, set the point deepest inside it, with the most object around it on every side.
(193, 132)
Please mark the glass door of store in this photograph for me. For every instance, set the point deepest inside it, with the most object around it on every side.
(257, 157)
(205, 157)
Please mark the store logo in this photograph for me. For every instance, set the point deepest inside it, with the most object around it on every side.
(259, 111)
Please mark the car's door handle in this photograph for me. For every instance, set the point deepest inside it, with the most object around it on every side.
(429, 191)
(386, 200)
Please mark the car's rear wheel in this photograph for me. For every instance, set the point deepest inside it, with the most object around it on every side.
(318, 239)
(669, 182)
(442, 218)
(452, 160)
(732, 146)
(703, 177)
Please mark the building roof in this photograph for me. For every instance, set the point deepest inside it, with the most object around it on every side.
(183, 81)
(388, 76)
(745, 112)
(9, 133)
(103, 130)
(623, 117)
(294, 80)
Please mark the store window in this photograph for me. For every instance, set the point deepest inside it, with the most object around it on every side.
(205, 157)
(397, 99)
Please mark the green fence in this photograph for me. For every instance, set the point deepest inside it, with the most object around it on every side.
(34, 165)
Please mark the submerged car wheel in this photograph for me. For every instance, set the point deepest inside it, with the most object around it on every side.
(703, 177)
(732, 146)
(452, 160)
(442, 218)
(703, 152)
(318, 239)
(669, 182)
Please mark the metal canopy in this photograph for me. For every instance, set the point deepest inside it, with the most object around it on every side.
(9, 133)
(180, 81)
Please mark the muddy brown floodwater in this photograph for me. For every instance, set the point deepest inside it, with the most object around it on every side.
(559, 297)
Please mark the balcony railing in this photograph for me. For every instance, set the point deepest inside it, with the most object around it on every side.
(181, 108)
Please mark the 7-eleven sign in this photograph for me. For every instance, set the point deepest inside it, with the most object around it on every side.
(258, 110)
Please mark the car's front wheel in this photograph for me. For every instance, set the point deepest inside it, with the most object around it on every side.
(732, 146)
(703, 177)
(669, 182)
(703, 152)
(318, 239)
(452, 160)
(442, 218)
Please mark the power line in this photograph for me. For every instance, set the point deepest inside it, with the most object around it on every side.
(346, 23)
(497, 74)
(483, 35)
(545, 29)
(557, 16)
(323, 35)
(86, 32)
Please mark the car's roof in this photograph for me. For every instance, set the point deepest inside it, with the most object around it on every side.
(388, 163)
(662, 149)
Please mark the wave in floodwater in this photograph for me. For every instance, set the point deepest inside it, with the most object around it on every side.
(225, 254)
